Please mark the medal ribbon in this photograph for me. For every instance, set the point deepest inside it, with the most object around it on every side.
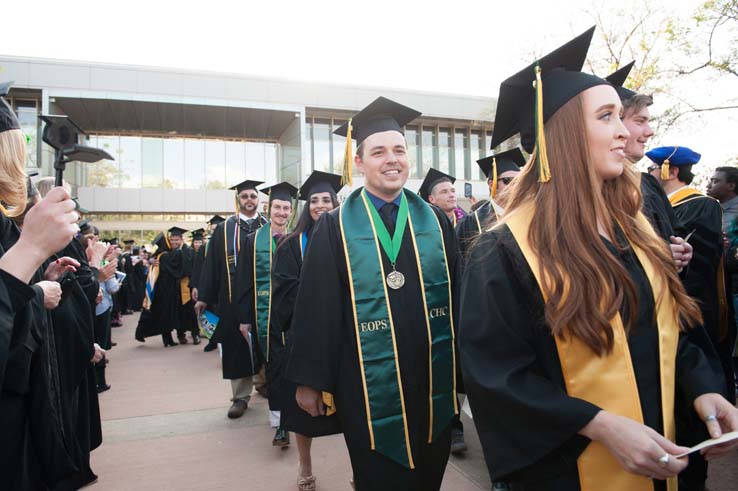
(375, 331)
(263, 250)
(391, 245)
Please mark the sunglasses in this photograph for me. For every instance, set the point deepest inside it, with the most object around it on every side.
(250, 196)
(506, 180)
(652, 168)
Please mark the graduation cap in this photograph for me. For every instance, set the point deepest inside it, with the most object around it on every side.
(247, 184)
(618, 78)
(128, 242)
(136, 251)
(320, 182)
(198, 234)
(215, 220)
(176, 231)
(432, 178)
(530, 97)
(668, 156)
(161, 242)
(282, 191)
(8, 119)
(113, 241)
(85, 226)
(381, 115)
(496, 165)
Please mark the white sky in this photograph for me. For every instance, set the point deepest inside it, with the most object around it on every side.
(454, 46)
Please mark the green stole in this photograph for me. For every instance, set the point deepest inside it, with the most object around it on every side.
(375, 332)
(263, 251)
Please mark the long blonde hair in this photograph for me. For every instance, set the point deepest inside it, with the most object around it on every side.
(580, 275)
(13, 192)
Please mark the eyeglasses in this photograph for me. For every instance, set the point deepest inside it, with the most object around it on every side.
(506, 180)
(652, 168)
(249, 196)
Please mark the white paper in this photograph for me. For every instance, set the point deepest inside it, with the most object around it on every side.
(727, 437)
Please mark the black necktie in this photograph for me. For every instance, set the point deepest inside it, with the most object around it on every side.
(386, 212)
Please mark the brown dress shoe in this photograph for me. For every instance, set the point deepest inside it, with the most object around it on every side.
(237, 409)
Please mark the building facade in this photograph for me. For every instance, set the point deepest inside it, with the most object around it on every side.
(180, 138)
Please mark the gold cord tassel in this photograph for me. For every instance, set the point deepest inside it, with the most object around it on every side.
(544, 171)
(493, 191)
(347, 173)
(665, 167)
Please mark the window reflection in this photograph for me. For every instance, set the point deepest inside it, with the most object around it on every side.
(411, 137)
(428, 149)
(129, 162)
(194, 164)
(321, 145)
(476, 153)
(255, 160)
(152, 162)
(444, 154)
(174, 169)
(215, 164)
(461, 154)
(235, 162)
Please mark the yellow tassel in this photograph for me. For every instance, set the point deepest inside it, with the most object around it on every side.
(665, 167)
(3, 210)
(544, 171)
(347, 173)
(493, 191)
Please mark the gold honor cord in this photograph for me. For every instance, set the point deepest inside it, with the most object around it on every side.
(476, 219)
(591, 377)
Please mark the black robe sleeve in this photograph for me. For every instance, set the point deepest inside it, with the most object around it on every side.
(313, 360)
(14, 294)
(657, 208)
(285, 282)
(508, 373)
(210, 275)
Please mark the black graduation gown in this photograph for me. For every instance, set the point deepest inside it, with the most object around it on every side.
(656, 207)
(73, 322)
(129, 286)
(213, 290)
(164, 314)
(198, 260)
(139, 279)
(187, 318)
(324, 354)
(704, 215)
(526, 422)
(286, 267)
(467, 230)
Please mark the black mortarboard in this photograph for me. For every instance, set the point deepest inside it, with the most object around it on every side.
(85, 226)
(216, 219)
(161, 242)
(618, 78)
(381, 115)
(129, 241)
(176, 231)
(113, 241)
(320, 182)
(562, 80)
(247, 184)
(136, 250)
(504, 162)
(198, 234)
(432, 178)
(283, 191)
(8, 119)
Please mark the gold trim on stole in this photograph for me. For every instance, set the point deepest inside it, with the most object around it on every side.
(592, 378)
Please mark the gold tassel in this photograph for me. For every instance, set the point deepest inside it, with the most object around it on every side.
(347, 173)
(493, 191)
(3, 210)
(544, 171)
(665, 167)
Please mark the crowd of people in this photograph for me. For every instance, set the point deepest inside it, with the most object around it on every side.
(586, 309)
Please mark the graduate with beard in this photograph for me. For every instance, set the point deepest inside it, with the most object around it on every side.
(259, 254)
(500, 170)
(319, 192)
(578, 395)
(222, 278)
(373, 318)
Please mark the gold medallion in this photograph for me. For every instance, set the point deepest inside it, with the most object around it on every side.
(395, 280)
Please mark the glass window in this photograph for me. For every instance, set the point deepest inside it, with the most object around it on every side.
(461, 154)
(411, 137)
(28, 119)
(105, 173)
(322, 145)
(444, 155)
(129, 161)
(152, 162)
(255, 160)
(215, 161)
(339, 146)
(478, 151)
(235, 157)
(194, 164)
(174, 164)
(270, 162)
(429, 142)
(307, 162)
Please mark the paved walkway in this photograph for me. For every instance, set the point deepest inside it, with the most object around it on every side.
(165, 428)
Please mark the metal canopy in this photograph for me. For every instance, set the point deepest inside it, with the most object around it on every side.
(160, 118)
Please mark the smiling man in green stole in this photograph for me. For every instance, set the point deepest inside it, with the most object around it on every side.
(259, 253)
(374, 318)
